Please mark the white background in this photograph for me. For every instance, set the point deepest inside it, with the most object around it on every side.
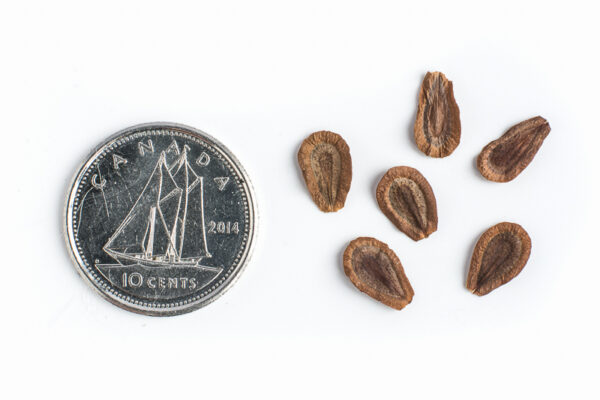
(260, 76)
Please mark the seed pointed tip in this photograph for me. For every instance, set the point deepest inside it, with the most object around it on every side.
(420, 236)
(329, 207)
(474, 291)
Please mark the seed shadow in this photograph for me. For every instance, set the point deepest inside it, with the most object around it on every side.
(475, 170)
(297, 165)
(410, 127)
(340, 262)
(374, 185)
(467, 263)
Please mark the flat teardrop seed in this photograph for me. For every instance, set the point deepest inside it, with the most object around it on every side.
(324, 159)
(376, 270)
(500, 254)
(437, 127)
(505, 158)
(406, 198)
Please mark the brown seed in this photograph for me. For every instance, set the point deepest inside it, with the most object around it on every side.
(500, 254)
(405, 197)
(376, 270)
(437, 128)
(324, 159)
(505, 158)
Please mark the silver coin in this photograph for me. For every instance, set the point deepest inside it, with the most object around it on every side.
(160, 219)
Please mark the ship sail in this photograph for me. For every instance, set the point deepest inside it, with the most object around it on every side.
(191, 232)
(157, 228)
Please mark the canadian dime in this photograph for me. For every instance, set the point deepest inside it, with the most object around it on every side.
(160, 219)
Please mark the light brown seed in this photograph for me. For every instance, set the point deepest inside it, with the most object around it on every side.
(376, 270)
(505, 158)
(406, 198)
(437, 127)
(500, 254)
(324, 159)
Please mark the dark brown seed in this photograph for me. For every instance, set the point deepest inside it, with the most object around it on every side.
(437, 128)
(406, 198)
(500, 254)
(505, 158)
(376, 270)
(324, 159)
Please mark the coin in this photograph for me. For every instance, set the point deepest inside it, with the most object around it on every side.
(161, 219)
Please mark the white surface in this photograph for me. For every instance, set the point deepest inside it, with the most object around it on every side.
(261, 76)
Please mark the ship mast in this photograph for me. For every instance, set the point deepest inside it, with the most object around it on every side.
(186, 191)
(150, 244)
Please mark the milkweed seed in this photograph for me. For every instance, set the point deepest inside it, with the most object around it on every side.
(437, 127)
(500, 254)
(376, 270)
(324, 159)
(505, 158)
(406, 198)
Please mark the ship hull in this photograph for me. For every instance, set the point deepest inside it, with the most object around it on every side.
(138, 259)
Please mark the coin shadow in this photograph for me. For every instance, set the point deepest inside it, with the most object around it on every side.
(61, 215)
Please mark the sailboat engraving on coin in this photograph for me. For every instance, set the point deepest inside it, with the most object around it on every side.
(161, 219)
(162, 209)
